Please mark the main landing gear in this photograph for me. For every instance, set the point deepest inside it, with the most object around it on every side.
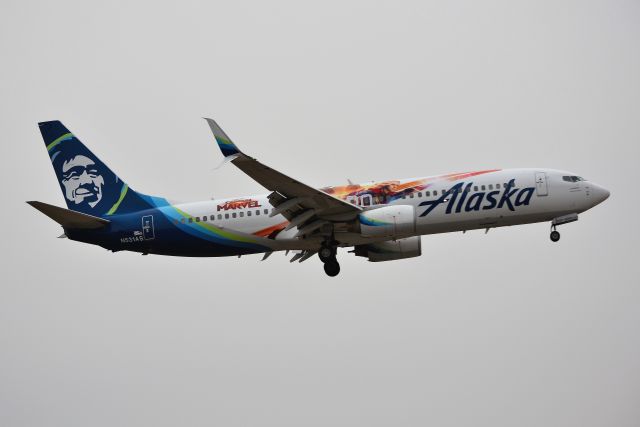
(555, 235)
(327, 255)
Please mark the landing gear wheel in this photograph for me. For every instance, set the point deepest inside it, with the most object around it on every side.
(555, 236)
(326, 253)
(332, 268)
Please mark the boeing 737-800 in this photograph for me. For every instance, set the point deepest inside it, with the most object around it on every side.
(381, 221)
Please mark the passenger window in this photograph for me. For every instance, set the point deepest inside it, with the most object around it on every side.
(490, 186)
(419, 194)
(234, 214)
(204, 218)
(498, 186)
(182, 220)
(248, 213)
(257, 211)
(175, 221)
(197, 219)
(483, 187)
(427, 194)
(226, 216)
(219, 216)
(241, 214)
(435, 192)
(411, 195)
(266, 211)
(190, 220)
(475, 188)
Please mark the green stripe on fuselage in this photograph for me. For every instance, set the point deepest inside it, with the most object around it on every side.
(215, 230)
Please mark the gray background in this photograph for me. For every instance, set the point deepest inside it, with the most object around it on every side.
(501, 329)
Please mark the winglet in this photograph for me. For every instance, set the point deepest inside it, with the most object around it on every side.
(227, 146)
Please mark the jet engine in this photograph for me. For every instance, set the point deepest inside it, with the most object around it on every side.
(391, 250)
(389, 221)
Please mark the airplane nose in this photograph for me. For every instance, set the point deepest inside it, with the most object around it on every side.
(600, 194)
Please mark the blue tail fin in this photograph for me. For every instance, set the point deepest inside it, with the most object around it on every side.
(88, 185)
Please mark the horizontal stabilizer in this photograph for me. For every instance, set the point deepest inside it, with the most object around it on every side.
(70, 219)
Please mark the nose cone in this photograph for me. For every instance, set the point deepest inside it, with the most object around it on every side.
(600, 194)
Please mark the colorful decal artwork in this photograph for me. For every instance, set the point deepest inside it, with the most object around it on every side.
(271, 232)
(239, 204)
(385, 192)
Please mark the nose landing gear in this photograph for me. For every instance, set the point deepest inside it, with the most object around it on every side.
(565, 219)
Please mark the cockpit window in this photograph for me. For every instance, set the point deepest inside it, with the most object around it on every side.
(572, 178)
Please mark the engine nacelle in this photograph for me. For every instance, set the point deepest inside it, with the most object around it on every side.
(391, 250)
(389, 221)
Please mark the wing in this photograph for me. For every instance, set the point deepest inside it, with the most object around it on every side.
(305, 207)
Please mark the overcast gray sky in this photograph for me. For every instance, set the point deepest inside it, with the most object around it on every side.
(503, 329)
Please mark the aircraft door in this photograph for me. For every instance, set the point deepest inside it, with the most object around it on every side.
(366, 200)
(147, 227)
(542, 188)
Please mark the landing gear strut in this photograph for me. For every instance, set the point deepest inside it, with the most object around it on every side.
(327, 255)
(555, 235)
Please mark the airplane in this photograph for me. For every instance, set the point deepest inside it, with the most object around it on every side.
(380, 221)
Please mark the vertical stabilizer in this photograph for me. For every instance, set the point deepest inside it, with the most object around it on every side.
(88, 185)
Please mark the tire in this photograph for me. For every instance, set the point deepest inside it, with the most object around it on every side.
(555, 236)
(326, 253)
(332, 268)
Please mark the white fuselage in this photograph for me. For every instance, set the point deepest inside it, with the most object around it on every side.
(544, 194)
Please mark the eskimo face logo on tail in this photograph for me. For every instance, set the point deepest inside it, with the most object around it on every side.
(82, 181)
(87, 184)
(458, 199)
